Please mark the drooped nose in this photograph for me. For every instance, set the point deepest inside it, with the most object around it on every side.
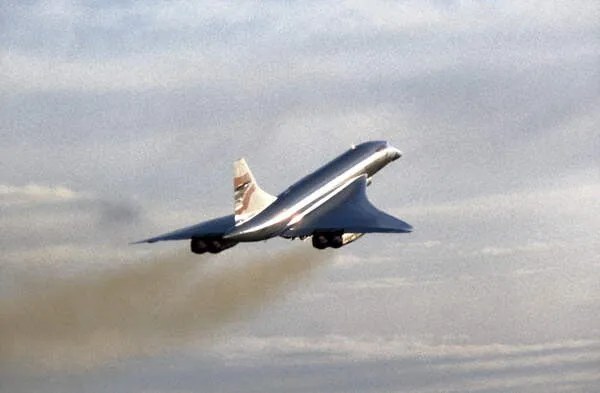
(393, 153)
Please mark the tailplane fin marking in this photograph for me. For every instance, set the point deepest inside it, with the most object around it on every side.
(249, 198)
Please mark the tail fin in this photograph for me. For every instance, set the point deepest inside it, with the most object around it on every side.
(250, 199)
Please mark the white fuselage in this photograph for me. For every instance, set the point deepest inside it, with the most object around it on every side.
(308, 194)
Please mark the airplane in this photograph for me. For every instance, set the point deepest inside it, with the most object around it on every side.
(329, 205)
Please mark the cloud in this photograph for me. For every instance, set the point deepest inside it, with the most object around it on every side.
(137, 110)
(56, 224)
(504, 251)
(352, 348)
(299, 363)
(385, 283)
(473, 15)
(574, 199)
(175, 45)
(399, 361)
(35, 194)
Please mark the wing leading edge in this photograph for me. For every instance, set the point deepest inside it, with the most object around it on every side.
(349, 211)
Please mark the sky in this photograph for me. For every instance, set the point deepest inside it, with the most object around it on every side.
(120, 120)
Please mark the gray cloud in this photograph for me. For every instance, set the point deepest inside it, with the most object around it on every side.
(36, 216)
(126, 116)
(491, 369)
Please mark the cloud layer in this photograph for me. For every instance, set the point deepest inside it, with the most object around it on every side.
(120, 120)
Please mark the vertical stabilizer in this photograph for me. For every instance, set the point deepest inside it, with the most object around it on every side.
(249, 198)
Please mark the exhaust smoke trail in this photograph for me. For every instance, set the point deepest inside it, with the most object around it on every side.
(141, 309)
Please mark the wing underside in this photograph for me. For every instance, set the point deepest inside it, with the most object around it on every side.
(215, 227)
(349, 211)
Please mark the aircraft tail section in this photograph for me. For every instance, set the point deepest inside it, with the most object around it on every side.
(250, 199)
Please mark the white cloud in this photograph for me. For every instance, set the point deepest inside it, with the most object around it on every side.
(385, 283)
(353, 348)
(527, 248)
(306, 80)
(50, 73)
(469, 366)
(253, 55)
(472, 15)
(574, 199)
(167, 70)
(34, 193)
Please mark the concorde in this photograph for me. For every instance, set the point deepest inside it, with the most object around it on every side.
(329, 205)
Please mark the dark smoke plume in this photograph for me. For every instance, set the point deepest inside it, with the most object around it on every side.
(143, 308)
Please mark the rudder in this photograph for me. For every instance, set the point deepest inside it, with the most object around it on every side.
(249, 198)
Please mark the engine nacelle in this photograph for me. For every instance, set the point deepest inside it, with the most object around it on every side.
(322, 240)
(214, 245)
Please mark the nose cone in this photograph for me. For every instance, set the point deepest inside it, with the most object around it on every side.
(393, 153)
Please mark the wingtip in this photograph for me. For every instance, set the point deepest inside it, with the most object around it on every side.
(142, 241)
